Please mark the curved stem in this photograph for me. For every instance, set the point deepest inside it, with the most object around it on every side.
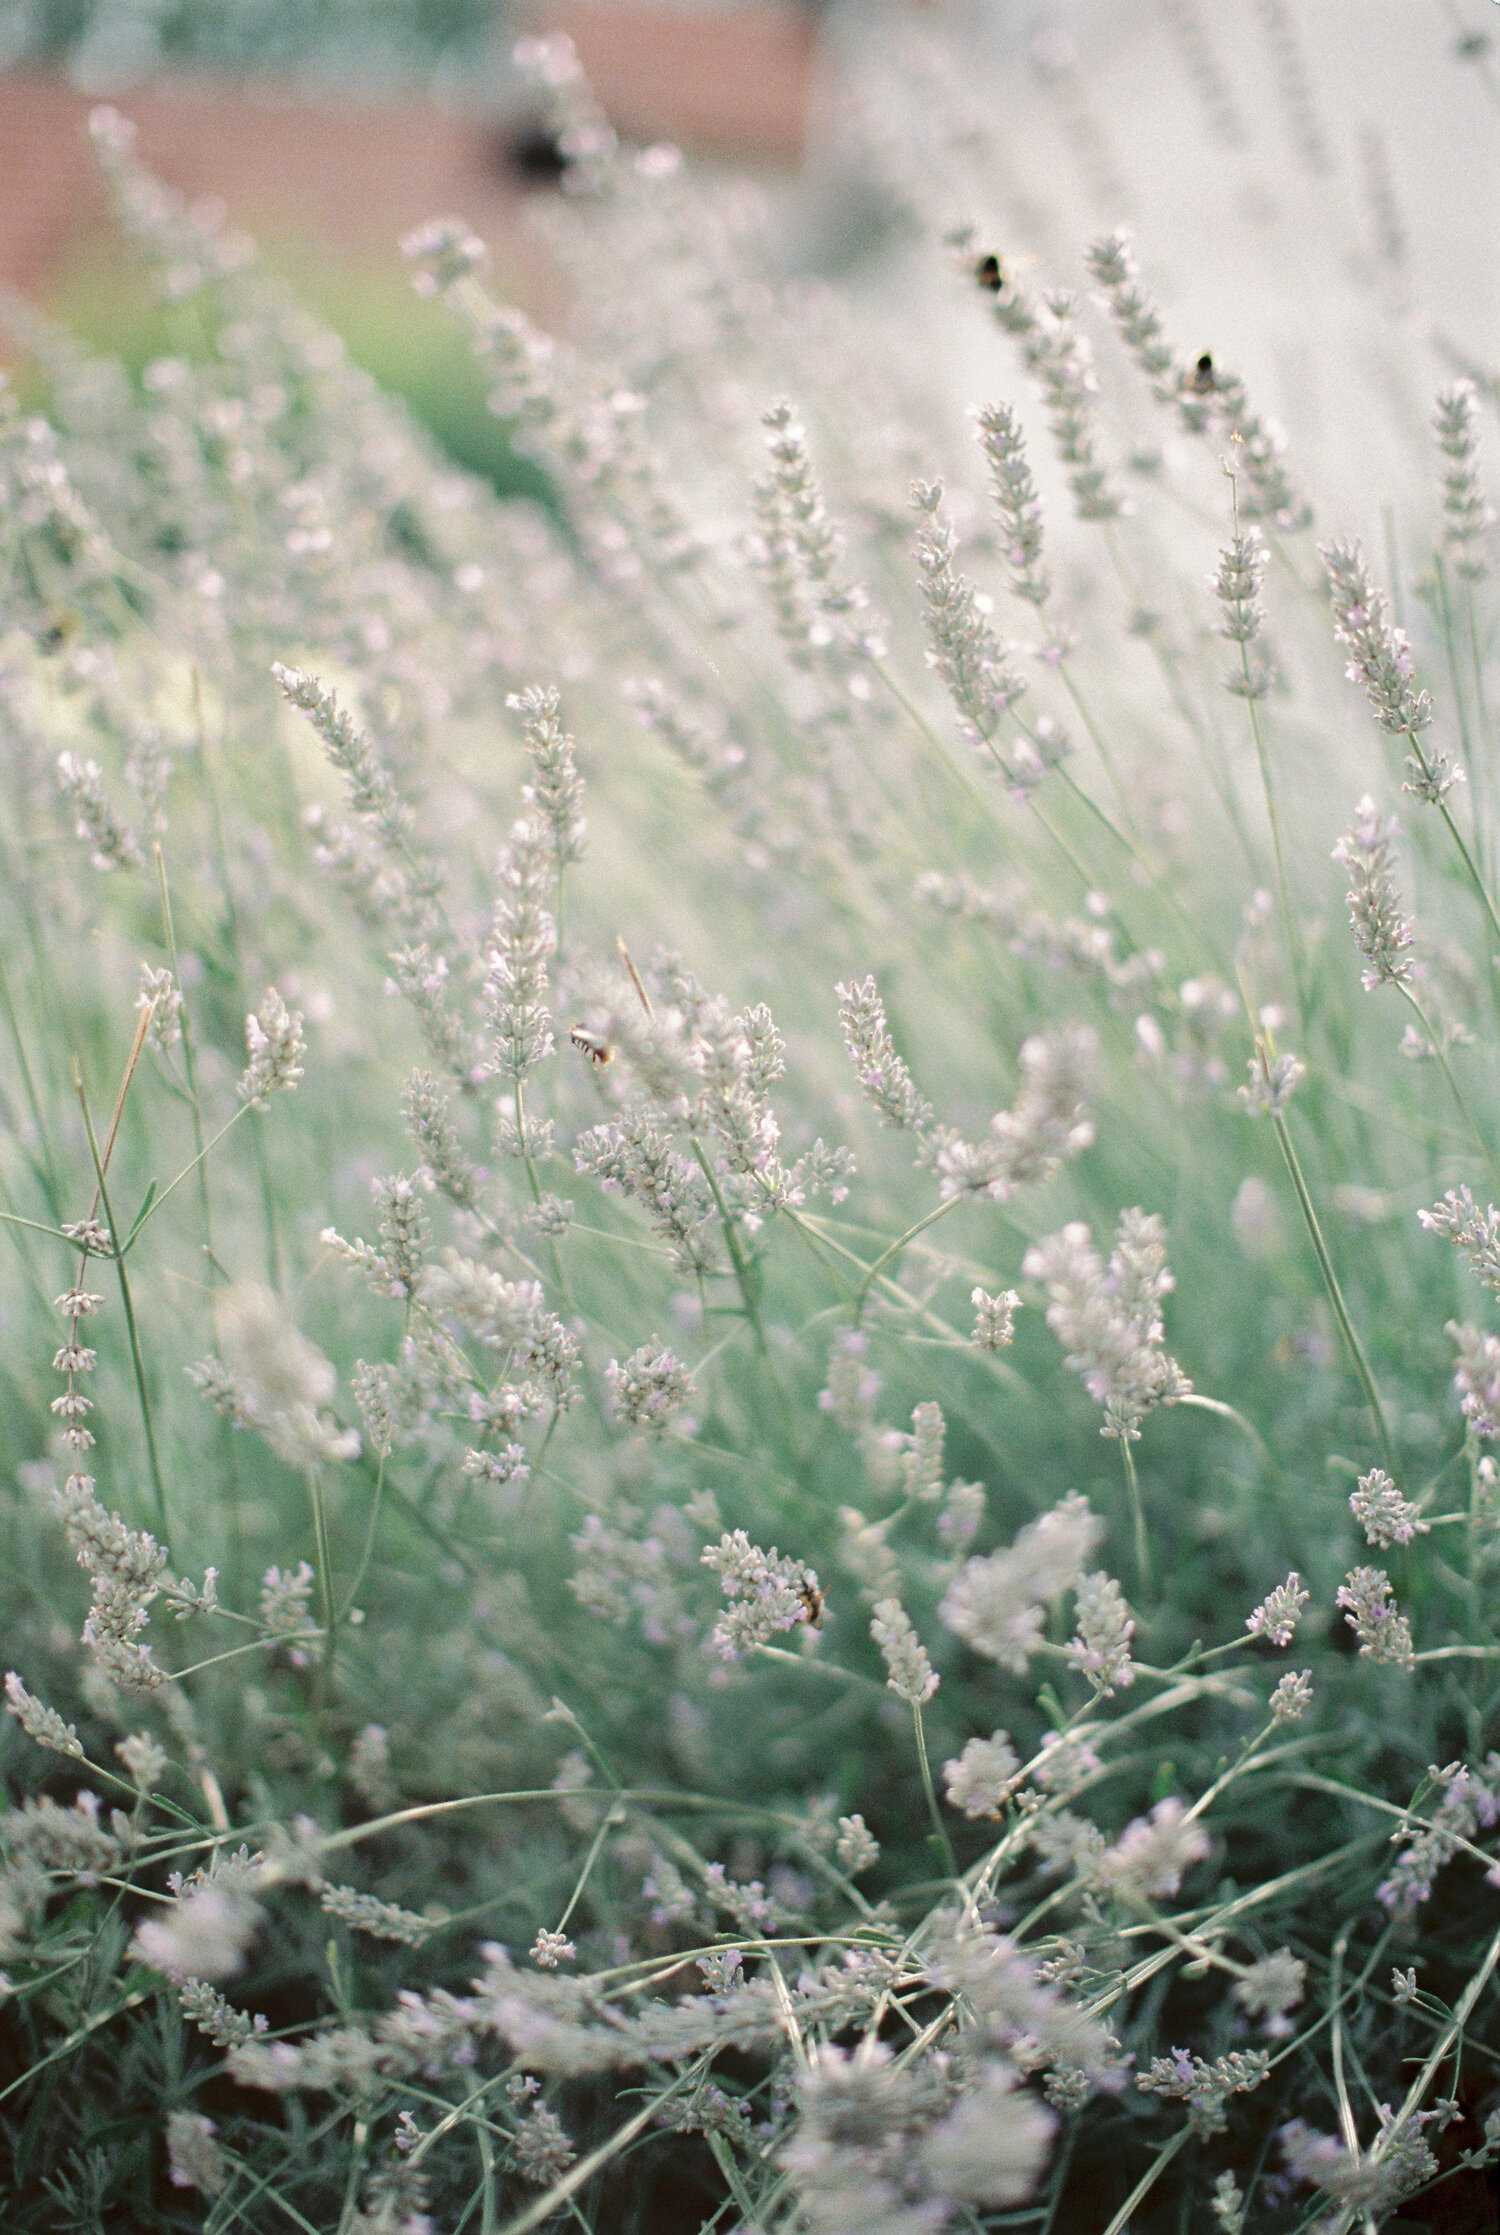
(1335, 1294)
(325, 1579)
(364, 1559)
(1137, 1517)
(895, 1249)
(732, 1244)
(1434, 1041)
(1289, 921)
(137, 1360)
(939, 1828)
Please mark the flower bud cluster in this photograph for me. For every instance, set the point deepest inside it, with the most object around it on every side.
(1382, 933)
(1467, 514)
(908, 1671)
(1017, 505)
(1109, 1318)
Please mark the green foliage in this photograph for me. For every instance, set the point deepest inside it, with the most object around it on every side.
(969, 1665)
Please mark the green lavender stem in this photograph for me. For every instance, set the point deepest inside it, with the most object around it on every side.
(1335, 1294)
(940, 1830)
(137, 1361)
(1137, 1517)
(732, 1244)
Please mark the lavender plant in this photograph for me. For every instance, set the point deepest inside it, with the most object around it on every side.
(729, 1666)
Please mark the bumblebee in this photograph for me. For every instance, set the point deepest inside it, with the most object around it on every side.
(813, 1600)
(1203, 382)
(990, 274)
(592, 1044)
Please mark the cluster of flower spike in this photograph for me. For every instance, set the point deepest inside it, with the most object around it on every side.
(1109, 1317)
(961, 645)
(1383, 934)
(1380, 661)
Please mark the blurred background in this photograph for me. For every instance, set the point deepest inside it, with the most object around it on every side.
(1265, 156)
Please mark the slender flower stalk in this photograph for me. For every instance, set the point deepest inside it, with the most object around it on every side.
(1380, 660)
(1237, 585)
(1017, 505)
(1274, 1108)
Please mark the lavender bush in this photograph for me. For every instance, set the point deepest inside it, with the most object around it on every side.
(726, 1223)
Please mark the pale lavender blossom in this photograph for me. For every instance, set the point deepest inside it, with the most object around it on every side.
(1476, 1377)
(194, 2158)
(1228, 2204)
(767, 1594)
(649, 1389)
(270, 1377)
(146, 1761)
(404, 884)
(1467, 514)
(963, 1511)
(1273, 1081)
(1279, 1612)
(1047, 1125)
(1237, 586)
(879, 1069)
(998, 1604)
(160, 994)
(203, 1934)
(520, 947)
(543, 2152)
(989, 2150)
(1017, 505)
(1109, 1319)
(856, 1847)
(367, 1913)
(1271, 1987)
(961, 645)
(908, 1671)
(1113, 265)
(1380, 660)
(95, 824)
(1369, 1608)
(39, 1721)
(215, 2018)
(286, 1600)
(549, 1949)
(922, 1460)
(1066, 1762)
(556, 788)
(1151, 1855)
(1468, 1802)
(1205, 2087)
(1101, 1648)
(1208, 400)
(981, 1778)
(427, 1111)
(994, 1318)
(1292, 1696)
(447, 250)
(1381, 1511)
(1400, 2161)
(1059, 358)
(1382, 933)
(1476, 1233)
(275, 1046)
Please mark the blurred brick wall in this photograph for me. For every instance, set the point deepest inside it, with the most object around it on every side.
(357, 174)
(733, 79)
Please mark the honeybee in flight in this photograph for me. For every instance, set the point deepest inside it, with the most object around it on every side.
(592, 1044)
(1203, 382)
(813, 1600)
(990, 273)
